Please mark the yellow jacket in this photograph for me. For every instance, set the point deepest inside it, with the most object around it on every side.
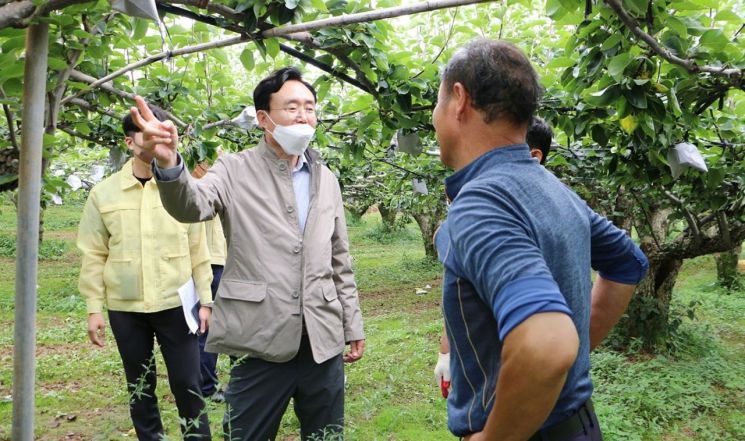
(135, 255)
(216, 241)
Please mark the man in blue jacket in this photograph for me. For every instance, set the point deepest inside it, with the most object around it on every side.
(521, 311)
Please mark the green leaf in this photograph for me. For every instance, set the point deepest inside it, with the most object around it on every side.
(714, 39)
(637, 7)
(272, 47)
(7, 178)
(140, 28)
(676, 26)
(56, 64)
(729, 16)
(618, 64)
(611, 42)
(674, 104)
(319, 5)
(15, 70)
(637, 97)
(560, 62)
(247, 59)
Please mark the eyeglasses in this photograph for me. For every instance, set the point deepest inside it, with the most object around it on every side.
(293, 111)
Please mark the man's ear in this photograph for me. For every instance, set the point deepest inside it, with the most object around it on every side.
(462, 100)
(128, 140)
(537, 153)
(262, 118)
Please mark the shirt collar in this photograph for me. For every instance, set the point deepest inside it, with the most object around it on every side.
(302, 162)
(493, 158)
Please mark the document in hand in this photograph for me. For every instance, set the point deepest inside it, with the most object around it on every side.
(190, 305)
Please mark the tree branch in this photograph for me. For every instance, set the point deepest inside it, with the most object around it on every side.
(724, 228)
(213, 7)
(326, 68)
(21, 13)
(212, 21)
(447, 41)
(59, 90)
(692, 224)
(367, 16)
(83, 104)
(303, 37)
(653, 44)
(10, 117)
(157, 57)
(76, 75)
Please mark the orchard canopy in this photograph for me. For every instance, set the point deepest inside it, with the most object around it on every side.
(626, 82)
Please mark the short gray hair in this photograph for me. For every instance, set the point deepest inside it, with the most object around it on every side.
(498, 77)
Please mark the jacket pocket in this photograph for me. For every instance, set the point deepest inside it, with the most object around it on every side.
(121, 277)
(175, 268)
(332, 298)
(243, 319)
(242, 290)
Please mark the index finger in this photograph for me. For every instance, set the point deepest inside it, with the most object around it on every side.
(144, 109)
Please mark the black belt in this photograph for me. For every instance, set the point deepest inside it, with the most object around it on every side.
(582, 420)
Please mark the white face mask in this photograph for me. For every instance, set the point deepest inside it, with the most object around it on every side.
(293, 139)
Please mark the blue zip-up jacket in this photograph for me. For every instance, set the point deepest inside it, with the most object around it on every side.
(518, 242)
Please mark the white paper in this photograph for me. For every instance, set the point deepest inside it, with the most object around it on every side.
(137, 8)
(189, 299)
(684, 155)
(246, 119)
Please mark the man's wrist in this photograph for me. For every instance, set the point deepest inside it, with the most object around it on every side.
(169, 163)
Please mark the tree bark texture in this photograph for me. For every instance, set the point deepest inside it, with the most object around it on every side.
(727, 275)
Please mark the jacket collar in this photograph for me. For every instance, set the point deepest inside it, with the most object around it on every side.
(127, 175)
(497, 157)
(311, 156)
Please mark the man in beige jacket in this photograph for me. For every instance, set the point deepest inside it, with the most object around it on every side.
(287, 304)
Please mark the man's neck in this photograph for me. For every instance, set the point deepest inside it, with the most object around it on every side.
(485, 138)
(141, 169)
(281, 154)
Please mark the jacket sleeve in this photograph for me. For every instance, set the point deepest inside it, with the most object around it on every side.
(93, 242)
(614, 255)
(346, 288)
(191, 200)
(201, 270)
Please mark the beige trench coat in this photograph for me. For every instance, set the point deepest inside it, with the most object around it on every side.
(274, 277)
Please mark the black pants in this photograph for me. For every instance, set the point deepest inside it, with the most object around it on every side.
(134, 333)
(582, 426)
(259, 391)
(208, 360)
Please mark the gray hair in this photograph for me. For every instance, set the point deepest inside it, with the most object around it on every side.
(498, 77)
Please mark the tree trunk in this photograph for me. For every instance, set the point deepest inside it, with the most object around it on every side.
(727, 268)
(647, 318)
(388, 215)
(428, 224)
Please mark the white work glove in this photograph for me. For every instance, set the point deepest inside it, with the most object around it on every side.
(442, 369)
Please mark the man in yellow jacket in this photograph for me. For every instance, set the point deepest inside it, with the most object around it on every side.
(218, 248)
(135, 259)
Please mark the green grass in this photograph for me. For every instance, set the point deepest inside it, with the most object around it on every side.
(696, 393)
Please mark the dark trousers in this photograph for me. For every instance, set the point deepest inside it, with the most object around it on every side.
(259, 391)
(582, 426)
(208, 360)
(134, 333)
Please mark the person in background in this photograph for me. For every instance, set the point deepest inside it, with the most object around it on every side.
(218, 251)
(287, 304)
(520, 309)
(539, 138)
(135, 257)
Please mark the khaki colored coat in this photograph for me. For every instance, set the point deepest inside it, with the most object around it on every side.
(274, 277)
